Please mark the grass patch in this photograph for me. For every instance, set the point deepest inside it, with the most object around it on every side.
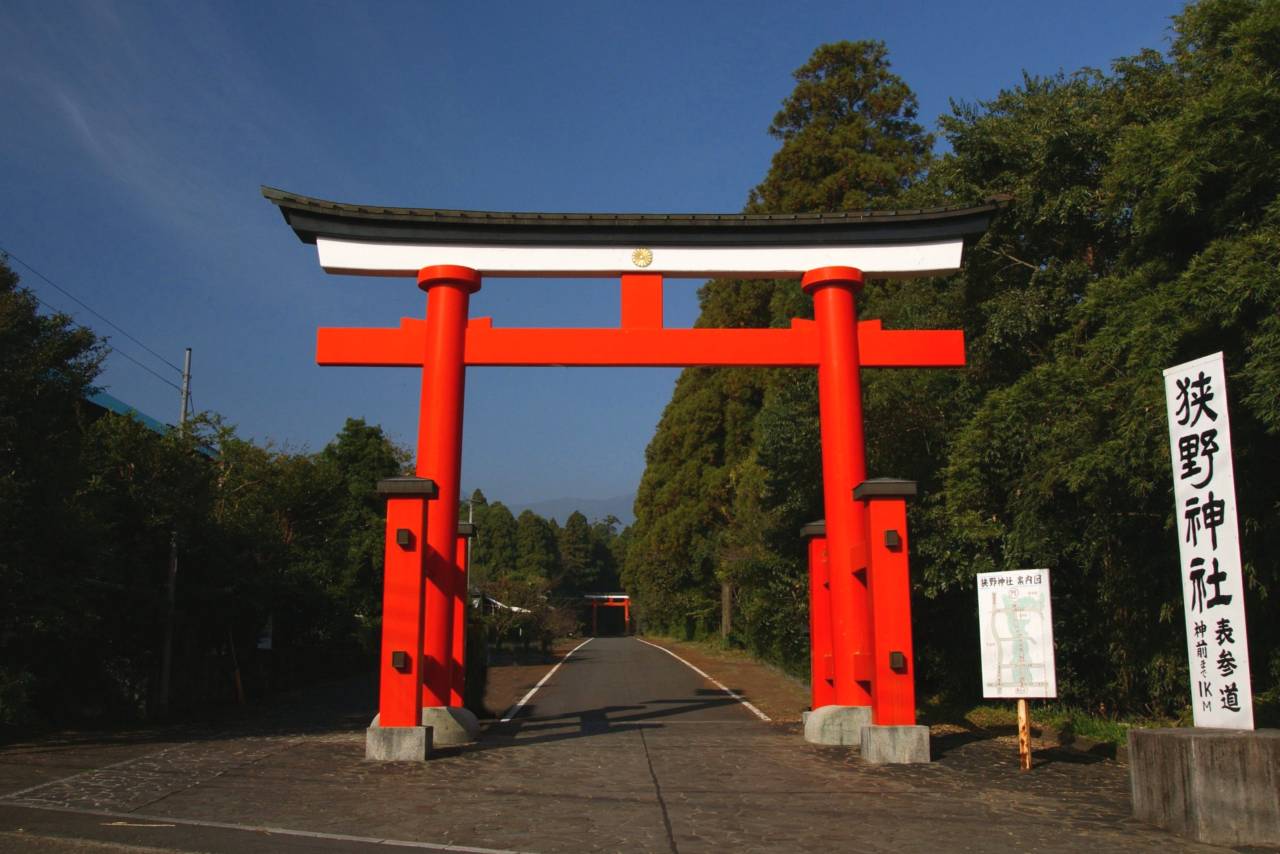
(1069, 723)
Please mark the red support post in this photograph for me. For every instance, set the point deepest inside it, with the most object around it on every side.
(822, 690)
(400, 665)
(843, 467)
(641, 301)
(626, 617)
(458, 645)
(449, 290)
(893, 696)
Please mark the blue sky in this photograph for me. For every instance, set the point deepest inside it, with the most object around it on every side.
(136, 135)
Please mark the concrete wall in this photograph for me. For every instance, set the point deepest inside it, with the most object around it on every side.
(1215, 786)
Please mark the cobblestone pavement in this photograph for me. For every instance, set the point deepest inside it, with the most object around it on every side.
(624, 748)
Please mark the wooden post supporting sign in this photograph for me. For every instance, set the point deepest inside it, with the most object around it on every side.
(1015, 623)
(1024, 735)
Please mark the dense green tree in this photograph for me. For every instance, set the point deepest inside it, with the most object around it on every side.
(608, 550)
(142, 490)
(494, 553)
(47, 364)
(358, 457)
(276, 515)
(90, 504)
(1165, 251)
(577, 567)
(727, 483)
(1141, 231)
(536, 555)
(849, 135)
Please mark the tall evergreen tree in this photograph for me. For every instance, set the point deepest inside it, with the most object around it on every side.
(536, 555)
(849, 135)
(710, 509)
(494, 553)
(577, 566)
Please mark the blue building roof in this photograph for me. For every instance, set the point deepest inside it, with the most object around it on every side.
(119, 407)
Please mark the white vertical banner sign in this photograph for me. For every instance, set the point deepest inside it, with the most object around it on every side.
(1015, 624)
(1204, 489)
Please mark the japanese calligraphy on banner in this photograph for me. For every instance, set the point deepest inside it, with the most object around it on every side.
(1015, 624)
(1204, 489)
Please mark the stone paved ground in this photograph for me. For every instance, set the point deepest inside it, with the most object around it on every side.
(623, 749)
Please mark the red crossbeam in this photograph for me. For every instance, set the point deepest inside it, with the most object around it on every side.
(640, 347)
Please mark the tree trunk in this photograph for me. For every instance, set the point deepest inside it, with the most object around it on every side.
(726, 609)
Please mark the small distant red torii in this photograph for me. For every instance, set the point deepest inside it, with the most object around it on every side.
(609, 600)
(866, 623)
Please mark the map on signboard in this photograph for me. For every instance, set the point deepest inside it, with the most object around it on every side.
(1015, 624)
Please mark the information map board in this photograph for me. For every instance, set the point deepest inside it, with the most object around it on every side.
(1015, 624)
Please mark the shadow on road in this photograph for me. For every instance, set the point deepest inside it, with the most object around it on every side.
(531, 728)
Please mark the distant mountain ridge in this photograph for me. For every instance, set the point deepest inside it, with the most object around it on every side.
(593, 508)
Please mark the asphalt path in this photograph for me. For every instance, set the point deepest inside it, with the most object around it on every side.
(615, 684)
(622, 748)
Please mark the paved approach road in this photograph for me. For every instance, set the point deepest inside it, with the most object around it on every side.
(624, 748)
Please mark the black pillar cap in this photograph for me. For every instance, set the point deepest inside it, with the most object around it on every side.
(885, 487)
(814, 529)
(402, 486)
(466, 529)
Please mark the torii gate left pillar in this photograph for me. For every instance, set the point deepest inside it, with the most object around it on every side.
(439, 457)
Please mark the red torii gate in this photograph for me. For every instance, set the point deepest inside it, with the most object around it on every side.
(399, 242)
(609, 600)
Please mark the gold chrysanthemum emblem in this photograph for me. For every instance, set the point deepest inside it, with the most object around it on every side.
(642, 257)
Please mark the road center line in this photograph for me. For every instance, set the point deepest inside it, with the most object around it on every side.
(524, 701)
(734, 694)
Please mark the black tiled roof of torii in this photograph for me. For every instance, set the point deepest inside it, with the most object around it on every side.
(311, 218)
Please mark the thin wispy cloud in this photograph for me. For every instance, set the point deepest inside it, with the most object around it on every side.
(163, 101)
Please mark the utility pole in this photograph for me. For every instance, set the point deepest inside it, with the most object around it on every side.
(166, 660)
(186, 388)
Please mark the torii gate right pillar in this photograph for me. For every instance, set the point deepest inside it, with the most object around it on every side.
(844, 467)
(834, 290)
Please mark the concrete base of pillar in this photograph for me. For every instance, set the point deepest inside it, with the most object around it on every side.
(895, 745)
(840, 725)
(1218, 786)
(397, 743)
(453, 725)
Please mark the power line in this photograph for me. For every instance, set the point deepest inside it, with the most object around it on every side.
(115, 350)
(92, 311)
(148, 370)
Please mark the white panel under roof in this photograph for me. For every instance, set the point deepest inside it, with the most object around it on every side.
(364, 258)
